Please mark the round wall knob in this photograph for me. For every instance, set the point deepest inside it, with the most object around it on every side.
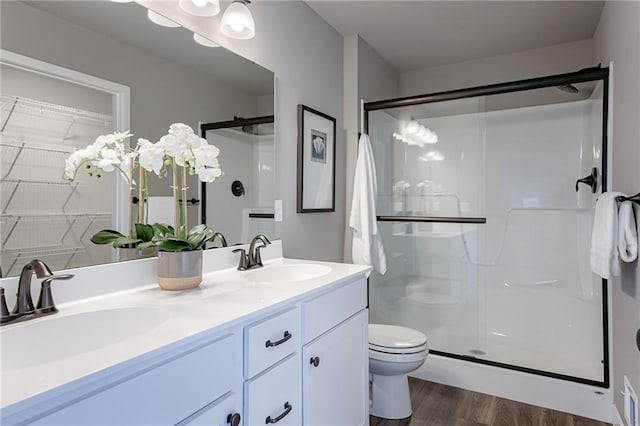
(237, 188)
(315, 361)
(233, 419)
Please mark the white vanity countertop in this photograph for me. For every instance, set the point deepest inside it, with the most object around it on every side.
(224, 299)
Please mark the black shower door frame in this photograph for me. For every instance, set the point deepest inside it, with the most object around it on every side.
(585, 75)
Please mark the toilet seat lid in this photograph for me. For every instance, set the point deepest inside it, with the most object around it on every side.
(395, 337)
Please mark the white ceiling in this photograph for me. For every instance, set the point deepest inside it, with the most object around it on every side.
(413, 35)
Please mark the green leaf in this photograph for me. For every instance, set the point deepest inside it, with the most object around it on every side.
(199, 235)
(145, 245)
(174, 244)
(125, 241)
(144, 231)
(106, 236)
(161, 229)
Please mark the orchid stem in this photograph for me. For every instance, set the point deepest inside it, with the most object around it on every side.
(141, 195)
(184, 201)
(176, 201)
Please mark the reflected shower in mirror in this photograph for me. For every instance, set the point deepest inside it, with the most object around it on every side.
(249, 179)
(103, 67)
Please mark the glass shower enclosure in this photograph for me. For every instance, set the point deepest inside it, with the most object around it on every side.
(485, 204)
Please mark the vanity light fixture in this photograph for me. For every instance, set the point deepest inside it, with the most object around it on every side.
(203, 41)
(204, 8)
(237, 21)
(418, 134)
(158, 19)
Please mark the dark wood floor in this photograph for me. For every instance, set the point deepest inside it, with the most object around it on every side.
(440, 405)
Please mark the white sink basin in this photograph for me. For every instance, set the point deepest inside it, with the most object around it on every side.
(287, 273)
(55, 337)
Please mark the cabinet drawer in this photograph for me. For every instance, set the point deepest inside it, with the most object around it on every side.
(163, 395)
(217, 413)
(271, 340)
(275, 394)
(330, 309)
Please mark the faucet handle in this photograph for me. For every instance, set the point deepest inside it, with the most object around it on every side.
(45, 301)
(4, 310)
(243, 265)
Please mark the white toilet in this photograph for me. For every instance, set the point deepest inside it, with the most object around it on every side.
(393, 352)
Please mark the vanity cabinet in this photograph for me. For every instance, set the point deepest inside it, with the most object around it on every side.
(335, 359)
(335, 375)
(225, 411)
(182, 384)
(273, 389)
(302, 362)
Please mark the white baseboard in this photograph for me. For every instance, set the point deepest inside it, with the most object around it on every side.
(561, 395)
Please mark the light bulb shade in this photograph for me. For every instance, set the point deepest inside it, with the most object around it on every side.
(412, 127)
(158, 19)
(204, 8)
(203, 41)
(237, 22)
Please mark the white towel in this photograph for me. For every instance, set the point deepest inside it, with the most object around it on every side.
(605, 260)
(367, 246)
(160, 210)
(627, 232)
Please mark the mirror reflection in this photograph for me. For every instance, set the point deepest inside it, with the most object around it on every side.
(100, 67)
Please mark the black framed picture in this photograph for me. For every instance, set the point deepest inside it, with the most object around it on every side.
(316, 161)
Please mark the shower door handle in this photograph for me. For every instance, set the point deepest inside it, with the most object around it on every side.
(591, 180)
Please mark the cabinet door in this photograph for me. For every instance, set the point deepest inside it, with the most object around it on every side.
(335, 375)
(223, 412)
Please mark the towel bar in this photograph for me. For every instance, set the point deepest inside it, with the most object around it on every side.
(635, 198)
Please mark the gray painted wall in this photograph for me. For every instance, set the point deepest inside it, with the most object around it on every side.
(306, 55)
(556, 59)
(366, 77)
(617, 39)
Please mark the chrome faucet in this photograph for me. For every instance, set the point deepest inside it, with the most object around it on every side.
(253, 259)
(24, 309)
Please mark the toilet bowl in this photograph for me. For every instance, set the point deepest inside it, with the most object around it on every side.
(393, 352)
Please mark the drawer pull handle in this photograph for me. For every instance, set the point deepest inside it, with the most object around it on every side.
(286, 337)
(315, 361)
(233, 419)
(287, 410)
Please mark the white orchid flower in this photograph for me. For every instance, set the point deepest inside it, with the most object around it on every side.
(151, 156)
(180, 130)
(209, 175)
(108, 160)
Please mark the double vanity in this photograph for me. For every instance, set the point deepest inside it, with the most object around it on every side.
(285, 344)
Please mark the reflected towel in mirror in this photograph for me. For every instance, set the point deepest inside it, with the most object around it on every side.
(160, 210)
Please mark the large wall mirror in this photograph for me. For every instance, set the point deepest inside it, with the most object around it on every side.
(73, 70)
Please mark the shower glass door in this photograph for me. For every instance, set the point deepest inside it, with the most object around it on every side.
(487, 241)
